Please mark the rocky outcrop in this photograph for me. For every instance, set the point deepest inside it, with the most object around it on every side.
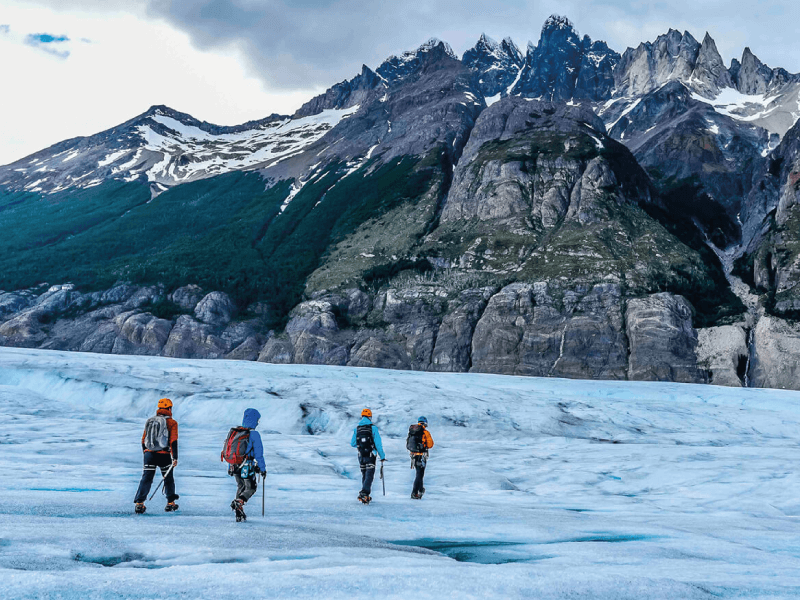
(776, 354)
(216, 309)
(187, 297)
(662, 340)
(530, 330)
(723, 352)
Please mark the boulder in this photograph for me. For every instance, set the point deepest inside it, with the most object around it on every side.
(215, 309)
(192, 339)
(187, 297)
(313, 332)
(13, 302)
(277, 350)
(140, 334)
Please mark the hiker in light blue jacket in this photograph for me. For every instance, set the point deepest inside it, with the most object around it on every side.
(367, 439)
(244, 452)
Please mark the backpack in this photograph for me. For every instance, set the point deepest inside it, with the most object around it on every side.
(156, 434)
(414, 443)
(235, 449)
(365, 442)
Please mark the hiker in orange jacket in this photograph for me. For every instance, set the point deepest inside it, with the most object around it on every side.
(160, 448)
(418, 443)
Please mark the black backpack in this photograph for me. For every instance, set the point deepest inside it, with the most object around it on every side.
(365, 442)
(414, 442)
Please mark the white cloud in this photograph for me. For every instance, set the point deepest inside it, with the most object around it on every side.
(130, 64)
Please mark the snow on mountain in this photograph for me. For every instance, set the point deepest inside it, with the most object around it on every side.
(165, 148)
(548, 488)
(497, 66)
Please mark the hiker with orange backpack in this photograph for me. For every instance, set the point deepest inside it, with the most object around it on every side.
(160, 448)
(418, 442)
(244, 453)
(367, 439)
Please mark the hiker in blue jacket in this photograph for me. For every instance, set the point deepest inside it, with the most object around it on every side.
(251, 465)
(367, 439)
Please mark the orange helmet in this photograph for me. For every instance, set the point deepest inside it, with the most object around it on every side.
(366, 413)
(165, 403)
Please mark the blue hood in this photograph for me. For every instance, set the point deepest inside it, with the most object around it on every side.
(365, 421)
(251, 417)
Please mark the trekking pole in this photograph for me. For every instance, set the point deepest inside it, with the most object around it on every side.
(383, 481)
(160, 483)
(263, 493)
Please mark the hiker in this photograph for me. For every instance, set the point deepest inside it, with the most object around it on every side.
(367, 439)
(418, 442)
(160, 448)
(244, 453)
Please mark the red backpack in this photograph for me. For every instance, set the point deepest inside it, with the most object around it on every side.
(235, 449)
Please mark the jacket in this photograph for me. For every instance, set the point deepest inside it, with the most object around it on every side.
(255, 449)
(172, 426)
(375, 436)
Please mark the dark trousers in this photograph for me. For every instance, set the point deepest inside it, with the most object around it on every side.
(419, 466)
(153, 460)
(245, 486)
(367, 465)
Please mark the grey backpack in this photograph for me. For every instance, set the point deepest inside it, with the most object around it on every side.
(156, 434)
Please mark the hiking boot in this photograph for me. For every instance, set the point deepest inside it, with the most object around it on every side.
(238, 506)
(139, 508)
(416, 496)
(364, 499)
(171, 507)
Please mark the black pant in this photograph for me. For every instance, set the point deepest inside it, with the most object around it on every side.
(367, 465)
(245, 486)
(151, 461)
(419, 465)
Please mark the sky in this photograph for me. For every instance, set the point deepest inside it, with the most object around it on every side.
(75, 67)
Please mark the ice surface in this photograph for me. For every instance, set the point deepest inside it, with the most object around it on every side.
(536, 488)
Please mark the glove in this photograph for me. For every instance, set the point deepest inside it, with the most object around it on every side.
(264, 474)
(257, 469)
(174, 463)
(383, 460)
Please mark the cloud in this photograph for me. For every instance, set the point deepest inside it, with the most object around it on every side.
(49, 43)
(297, 44)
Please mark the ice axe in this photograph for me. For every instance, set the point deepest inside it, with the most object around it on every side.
(263, 491)
(163, 479)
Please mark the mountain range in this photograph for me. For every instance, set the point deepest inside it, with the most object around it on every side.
(570, 211)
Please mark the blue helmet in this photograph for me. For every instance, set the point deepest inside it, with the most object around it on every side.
(422, 420)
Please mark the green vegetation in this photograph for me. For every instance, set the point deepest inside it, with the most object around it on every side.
(381, 274)
(686, 206)
(224, 233)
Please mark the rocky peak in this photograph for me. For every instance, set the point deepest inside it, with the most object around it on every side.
(495, 65)
(510, 48)
(710, 74)
(563, 65)
(751, 76)
(651, 65)
(345, 94)
(397, 68)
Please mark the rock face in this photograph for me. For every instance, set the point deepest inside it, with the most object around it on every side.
(722, 351)
(776, 351)
(662, 340)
